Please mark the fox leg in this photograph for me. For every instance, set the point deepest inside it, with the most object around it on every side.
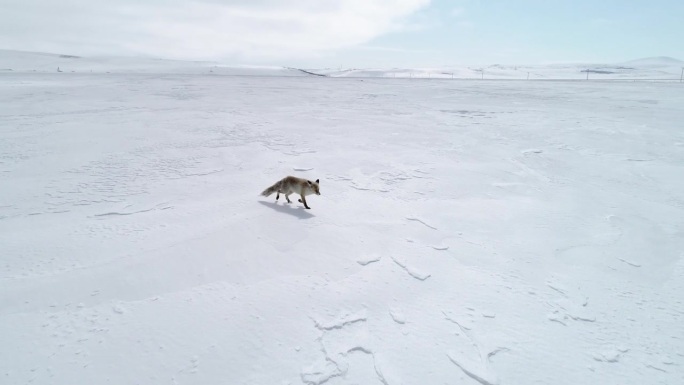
(287, 196)
(277, 196)
(303, 200)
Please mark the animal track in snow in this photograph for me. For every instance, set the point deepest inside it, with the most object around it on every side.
(413, 272)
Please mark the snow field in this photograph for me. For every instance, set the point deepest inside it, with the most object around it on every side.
(467, 232)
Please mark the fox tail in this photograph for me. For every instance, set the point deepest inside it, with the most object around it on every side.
(270, 190)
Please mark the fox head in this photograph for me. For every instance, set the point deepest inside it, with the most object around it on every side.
(314, 186)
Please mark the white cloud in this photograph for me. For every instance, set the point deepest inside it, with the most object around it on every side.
(392, 49)
(201, 29)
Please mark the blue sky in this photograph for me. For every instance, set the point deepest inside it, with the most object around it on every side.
(349, 33)
(536, 31)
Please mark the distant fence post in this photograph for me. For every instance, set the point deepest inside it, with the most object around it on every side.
(483, 74)
(682, 75)
(528, 76)
(587, 74)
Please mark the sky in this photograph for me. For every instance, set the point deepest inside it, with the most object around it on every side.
(349, 33)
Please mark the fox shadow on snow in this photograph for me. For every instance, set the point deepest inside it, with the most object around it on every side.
(299, 212)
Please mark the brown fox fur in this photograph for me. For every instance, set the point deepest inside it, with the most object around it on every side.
(292, 184)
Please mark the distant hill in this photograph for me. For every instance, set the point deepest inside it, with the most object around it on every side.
(652, 68)
(22, 61)
(656, 61)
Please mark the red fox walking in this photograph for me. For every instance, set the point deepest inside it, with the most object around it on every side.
(291, 184)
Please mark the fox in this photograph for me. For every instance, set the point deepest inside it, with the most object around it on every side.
(292, 184)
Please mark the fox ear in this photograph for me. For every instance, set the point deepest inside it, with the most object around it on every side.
(316, 180)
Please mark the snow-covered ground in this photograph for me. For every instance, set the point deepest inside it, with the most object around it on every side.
(468, 232)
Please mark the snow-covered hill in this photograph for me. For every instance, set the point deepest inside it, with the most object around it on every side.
(658, 61)
(20, 61)
(467, 232)
(660, 68)
(657, 68)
